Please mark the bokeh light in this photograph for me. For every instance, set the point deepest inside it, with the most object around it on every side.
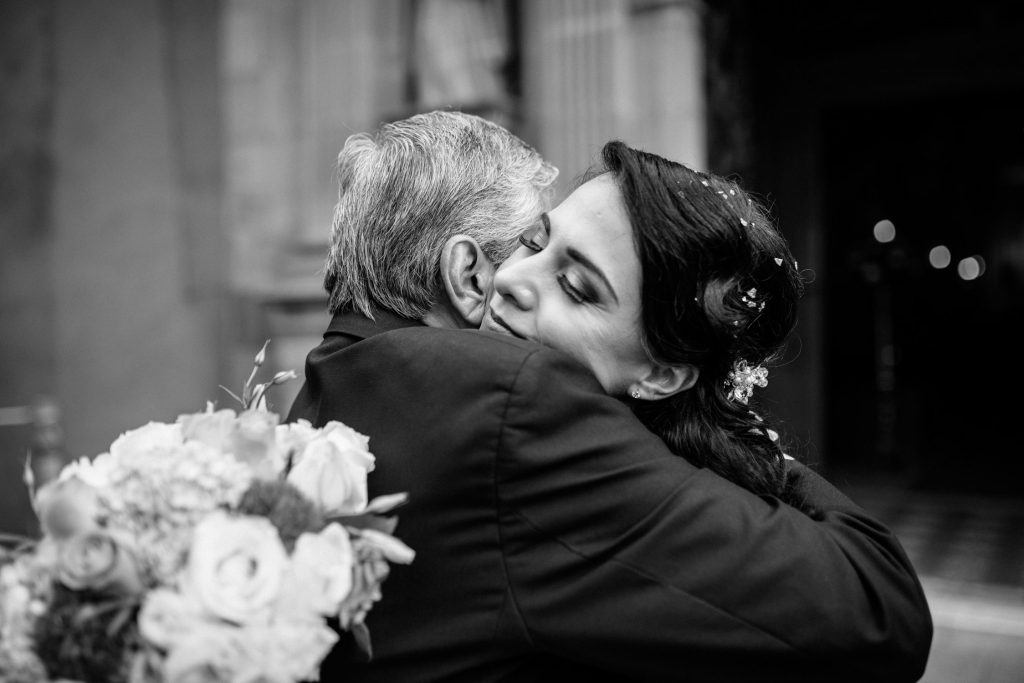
(885, 231)
(969, 268)
(939, 256)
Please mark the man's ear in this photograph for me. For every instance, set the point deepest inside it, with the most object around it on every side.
(665, 380)
(467, 275)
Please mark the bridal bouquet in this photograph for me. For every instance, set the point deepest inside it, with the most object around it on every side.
(214, 548)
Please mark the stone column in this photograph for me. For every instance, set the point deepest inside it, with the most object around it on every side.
(300, 76)
(131, 343)
(669, 99)
(596, 70)
(575, 79)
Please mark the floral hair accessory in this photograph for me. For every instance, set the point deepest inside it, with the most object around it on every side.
(743, 378)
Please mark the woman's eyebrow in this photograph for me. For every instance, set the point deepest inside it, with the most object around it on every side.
(592, 267)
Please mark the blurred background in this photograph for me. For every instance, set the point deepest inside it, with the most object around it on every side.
(166, 190)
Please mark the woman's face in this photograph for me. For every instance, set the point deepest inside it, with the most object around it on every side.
(574, 285)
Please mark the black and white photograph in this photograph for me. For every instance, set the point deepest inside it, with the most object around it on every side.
(511, 341)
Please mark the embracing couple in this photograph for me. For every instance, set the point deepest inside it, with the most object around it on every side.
(592, 496)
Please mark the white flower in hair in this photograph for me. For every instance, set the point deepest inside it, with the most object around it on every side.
(743, 378)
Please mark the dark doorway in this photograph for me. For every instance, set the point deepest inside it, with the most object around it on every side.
(911, 114)
(922, 361)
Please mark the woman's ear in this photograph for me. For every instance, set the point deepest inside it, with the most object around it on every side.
(665, 380)
(467, 275)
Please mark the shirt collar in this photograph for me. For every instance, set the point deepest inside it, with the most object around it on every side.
(355, 324)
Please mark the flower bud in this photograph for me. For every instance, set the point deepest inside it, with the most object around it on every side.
(282, 377)
(261, 357)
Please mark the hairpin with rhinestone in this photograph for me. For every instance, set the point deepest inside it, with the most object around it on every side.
(750, 299)
(743, 378)
(796, 266)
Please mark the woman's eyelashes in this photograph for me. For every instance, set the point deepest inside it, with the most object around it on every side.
(535, 238)
(526, 240)
(578, 293)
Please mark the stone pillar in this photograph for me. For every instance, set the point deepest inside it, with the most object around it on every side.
(575, 79)
(300, 76)
(262, 100)
(669, 100)
(130, 345)
(596, 70)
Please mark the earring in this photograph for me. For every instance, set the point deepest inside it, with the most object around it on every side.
(636, 393)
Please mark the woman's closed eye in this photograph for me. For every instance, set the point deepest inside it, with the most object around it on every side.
(579, 293)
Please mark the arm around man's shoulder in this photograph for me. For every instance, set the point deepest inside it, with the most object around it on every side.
(620, 554)
(644, 553)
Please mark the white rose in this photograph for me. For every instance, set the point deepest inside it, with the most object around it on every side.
(216, 653)
(235, 567)
(214, 428)
(98, 560)
(331, 470)
(155, 436)
(295, 650)
(254, 442)
(295, 435)
(320, 575)
(210, 653)
(346, 438)
(166, 617)
(67, 506)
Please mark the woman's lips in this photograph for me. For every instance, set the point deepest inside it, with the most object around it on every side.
(500, 322)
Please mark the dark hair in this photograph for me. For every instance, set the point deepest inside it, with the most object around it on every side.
(719, 286)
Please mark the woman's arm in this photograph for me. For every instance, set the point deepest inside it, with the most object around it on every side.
(624, 556)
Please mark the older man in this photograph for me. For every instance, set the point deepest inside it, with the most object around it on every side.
(556, 537)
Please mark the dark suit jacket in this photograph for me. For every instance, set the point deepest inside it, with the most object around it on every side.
(558, 539)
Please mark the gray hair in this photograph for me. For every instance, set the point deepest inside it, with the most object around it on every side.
(407, 188)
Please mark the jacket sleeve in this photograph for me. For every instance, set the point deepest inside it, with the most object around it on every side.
(626, 557)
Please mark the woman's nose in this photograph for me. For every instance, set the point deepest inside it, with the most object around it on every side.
(513, 283)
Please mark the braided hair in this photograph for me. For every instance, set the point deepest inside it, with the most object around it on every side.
(719, 287)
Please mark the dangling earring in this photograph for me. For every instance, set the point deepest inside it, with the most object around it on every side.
(636, 393)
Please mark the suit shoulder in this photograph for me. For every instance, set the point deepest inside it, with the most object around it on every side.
(478, 349)
(465, 344)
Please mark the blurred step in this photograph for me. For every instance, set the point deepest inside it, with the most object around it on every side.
(952, 537)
